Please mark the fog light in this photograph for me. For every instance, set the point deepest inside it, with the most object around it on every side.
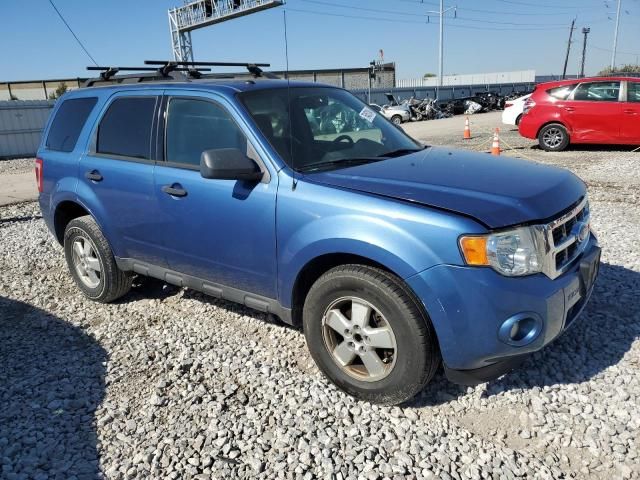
(521, 329)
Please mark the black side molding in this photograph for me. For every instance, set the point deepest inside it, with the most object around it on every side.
(483, 374)
(251, 300)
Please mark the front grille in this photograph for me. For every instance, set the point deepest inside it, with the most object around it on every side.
(565, 241)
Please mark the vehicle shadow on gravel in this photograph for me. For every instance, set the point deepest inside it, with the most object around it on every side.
(51, 382)
(597, 341)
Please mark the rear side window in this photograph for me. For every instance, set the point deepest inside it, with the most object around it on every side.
(597, 92)
(561, 93)
(633, 91)
(68, 123)
(125, 129)
(194, 126)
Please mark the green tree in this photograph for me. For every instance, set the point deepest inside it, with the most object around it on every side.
(623, 69)
(61, 90)
(429, 75)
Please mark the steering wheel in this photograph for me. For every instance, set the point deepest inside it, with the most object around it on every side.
(341, 138)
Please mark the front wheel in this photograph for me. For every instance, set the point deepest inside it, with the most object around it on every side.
(553, 138)
(396, 120)
(367, 333)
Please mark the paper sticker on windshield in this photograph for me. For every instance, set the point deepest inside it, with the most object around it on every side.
(368, 114)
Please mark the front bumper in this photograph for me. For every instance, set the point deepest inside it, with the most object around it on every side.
(468, 305)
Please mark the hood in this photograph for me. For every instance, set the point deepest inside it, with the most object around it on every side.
(496, 190)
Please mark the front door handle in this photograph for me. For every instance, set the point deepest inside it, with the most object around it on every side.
(174, 190)
(630, 112)
(93, 175)
(569, 109)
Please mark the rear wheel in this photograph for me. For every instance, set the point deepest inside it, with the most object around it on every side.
(396, 120)
(366, 332)
(91, 261)
(553, 138)
(518, 119)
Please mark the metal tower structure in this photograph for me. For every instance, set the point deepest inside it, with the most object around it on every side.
(202, 13)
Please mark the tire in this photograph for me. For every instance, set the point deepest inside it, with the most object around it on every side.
(518, 118)
(553, 137)
(91, 262)
(396, 120)
(407, 358)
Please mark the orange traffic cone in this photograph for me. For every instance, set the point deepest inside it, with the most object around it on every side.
(495, 146)
(467, 130)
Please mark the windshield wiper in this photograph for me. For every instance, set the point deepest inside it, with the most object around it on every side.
(401, 151)
(340, 163)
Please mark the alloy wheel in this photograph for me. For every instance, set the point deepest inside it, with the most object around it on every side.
(86, 261)
(553, 137)
(359, 338)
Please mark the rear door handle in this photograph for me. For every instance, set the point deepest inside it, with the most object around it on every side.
(630, 112)
(174, 190)
(569, 109)
(93, 175)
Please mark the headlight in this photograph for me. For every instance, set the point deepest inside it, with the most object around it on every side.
(512, 253)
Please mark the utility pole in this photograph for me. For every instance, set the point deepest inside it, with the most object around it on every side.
(441, 13)
(566, 58)
(615, 38)
(585, 32)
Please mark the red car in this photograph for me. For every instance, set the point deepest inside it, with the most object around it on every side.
(588, 110)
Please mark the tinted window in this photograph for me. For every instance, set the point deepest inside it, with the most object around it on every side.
(194, 126)
(561, 93)
(633, 91)
(126, 128)
(68, 123)
(598, 92)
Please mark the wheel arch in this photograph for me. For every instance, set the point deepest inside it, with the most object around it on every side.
(551, 122)
(66, 211)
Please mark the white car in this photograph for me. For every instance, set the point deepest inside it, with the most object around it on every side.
(512, 112)
(398, 114)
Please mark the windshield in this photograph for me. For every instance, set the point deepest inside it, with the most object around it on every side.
(324, 128)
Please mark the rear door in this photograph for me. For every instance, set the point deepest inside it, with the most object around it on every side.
(222, 231)
(116, 175)
(593, 112)
(630, 120)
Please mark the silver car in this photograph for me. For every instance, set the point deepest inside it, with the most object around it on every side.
(396, 113)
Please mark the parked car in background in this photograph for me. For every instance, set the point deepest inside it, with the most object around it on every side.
(512, 112)
(398, 114)
(298, 200)
(603, 110)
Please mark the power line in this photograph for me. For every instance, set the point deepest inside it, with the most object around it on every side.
(72, 33)
(497, 12)
(451, 25)
(538, 5)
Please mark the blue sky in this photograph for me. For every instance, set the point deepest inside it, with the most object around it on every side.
(487, 36)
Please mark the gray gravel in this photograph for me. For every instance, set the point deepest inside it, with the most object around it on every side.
(171, 384)
(18, 165)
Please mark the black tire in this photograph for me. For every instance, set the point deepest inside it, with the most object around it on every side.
(518, 118)
(416, 356)
(553, 137)
(396, 120)
(112, 282)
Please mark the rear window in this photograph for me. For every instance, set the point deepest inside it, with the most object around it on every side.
(125, 130)
(561, 93)
(598, 92)
(68, 122)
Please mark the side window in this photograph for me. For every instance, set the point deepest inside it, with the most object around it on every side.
(597, 92)
(68, 123)
(194, 126)
(561, 93)
(633, 91)
(125, 128)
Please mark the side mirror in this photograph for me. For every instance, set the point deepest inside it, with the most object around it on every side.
(228, 164)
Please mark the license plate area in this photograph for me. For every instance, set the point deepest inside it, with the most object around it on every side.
(576, 293)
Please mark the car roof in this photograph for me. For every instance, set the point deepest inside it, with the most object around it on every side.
(223, 86)
(571, 81)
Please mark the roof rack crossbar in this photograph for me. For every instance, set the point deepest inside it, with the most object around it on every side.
(253, 68)
(162, 73)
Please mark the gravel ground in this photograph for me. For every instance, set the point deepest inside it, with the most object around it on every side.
(18, 165)
(169, 383)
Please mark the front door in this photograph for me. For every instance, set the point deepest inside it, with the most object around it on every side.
(630, 121)
(116, 176)
(593, 112)
(218, 230)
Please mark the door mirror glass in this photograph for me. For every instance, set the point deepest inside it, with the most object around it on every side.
(229, 164)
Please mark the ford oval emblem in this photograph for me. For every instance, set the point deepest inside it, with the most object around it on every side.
(583, 232)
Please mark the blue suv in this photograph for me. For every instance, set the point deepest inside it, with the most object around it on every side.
(299, 200)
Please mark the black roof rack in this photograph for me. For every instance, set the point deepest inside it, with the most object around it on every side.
(163, 70)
